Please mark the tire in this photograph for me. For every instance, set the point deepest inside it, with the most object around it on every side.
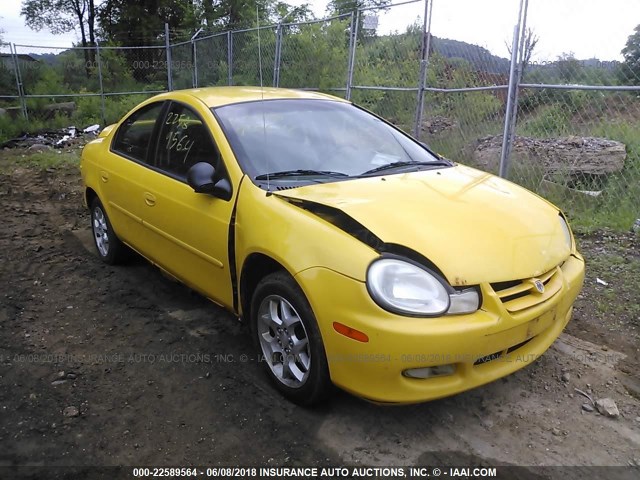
(288, 340)
(109, 247)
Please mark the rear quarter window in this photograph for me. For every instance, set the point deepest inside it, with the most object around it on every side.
(133, 138)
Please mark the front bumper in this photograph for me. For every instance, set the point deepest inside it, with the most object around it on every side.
(483, 346)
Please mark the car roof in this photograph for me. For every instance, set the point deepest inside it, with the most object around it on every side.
(219, 96)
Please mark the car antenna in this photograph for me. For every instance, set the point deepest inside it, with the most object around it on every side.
(264, 121)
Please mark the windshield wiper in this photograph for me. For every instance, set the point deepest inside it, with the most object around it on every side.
(407, 163)
(300, 173)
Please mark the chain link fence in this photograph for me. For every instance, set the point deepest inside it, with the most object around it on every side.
(314, 55)
(565, 128)
(10, 89)
(576, 138)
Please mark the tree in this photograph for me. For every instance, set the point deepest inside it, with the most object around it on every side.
(530, 42)
(569, 68)
(340, 7)
(345, 7)
(236, 14)
(631, 53)
(62, 16)
(141, 22)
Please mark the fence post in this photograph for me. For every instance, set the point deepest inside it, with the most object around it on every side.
(353, 42)
(507, 138)
(19, 84)
(424, 62)
(277, 53)
(519, 71)
(515, 72)
(194, 59)
(230, 57)
(100, 80)
(167, 45)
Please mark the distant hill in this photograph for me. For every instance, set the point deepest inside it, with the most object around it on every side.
(479, 57)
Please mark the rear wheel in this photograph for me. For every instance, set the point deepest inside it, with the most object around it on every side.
(110, 249)
(289, 340)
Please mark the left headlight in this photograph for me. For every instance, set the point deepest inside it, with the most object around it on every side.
(405, 288)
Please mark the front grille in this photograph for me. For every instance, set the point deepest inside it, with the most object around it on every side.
(518, 295)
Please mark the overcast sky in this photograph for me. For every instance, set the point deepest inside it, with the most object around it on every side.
(586, 28)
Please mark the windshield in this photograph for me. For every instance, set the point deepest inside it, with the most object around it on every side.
(324, 139)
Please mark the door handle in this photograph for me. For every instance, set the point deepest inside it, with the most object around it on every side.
(104, 176)
(149, 199)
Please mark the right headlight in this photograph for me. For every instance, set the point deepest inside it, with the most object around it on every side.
(405, 288)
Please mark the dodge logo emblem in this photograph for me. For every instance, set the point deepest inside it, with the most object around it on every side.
(539, 286)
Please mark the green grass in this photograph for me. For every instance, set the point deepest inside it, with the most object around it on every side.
(49, 159)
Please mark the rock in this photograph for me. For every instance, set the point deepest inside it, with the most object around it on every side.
(556, 432)
(566, 377)
(437, 124)
(607, 407)
(63, 108)
(71, 375)
(587, 407)
(632, 386)
(58, 382)
(568, 156)
(71, 412)
(39, 147)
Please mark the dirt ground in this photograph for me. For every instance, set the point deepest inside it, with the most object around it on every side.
(105, 365)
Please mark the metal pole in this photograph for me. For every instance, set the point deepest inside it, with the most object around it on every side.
(230, 57)
(524, 6)
(194, 59)
(277, 55)
(515, 74)
(168, 48)
(352, 52)
(100, 80)
(508, 118)
(424, 62)
(19, 84)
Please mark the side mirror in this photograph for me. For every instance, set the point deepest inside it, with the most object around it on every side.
(202, 178)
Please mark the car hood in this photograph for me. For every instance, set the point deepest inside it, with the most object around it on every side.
(475, 227)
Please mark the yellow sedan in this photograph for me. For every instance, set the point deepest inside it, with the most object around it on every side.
(358, 257)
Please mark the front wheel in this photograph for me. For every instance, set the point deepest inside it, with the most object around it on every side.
(110, 249)
(289, 340)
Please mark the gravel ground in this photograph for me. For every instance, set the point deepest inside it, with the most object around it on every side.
(105, 365)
